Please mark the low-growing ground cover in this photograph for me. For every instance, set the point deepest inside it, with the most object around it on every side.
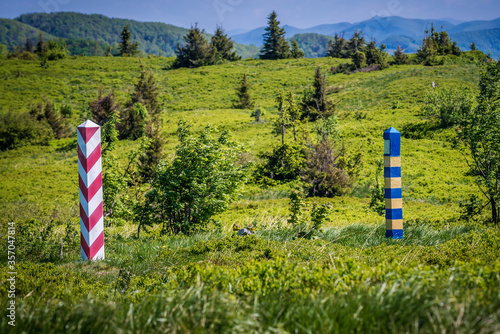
(442, 277)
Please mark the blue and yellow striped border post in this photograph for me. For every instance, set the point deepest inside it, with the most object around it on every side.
(392, 180)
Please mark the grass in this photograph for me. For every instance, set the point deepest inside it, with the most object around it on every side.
(442, 277)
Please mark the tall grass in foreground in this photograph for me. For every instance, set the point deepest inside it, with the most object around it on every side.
(402, 307)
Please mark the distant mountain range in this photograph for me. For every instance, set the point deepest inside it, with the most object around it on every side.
(394, 31)
(91, 34)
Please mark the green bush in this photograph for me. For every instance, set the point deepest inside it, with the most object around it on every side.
(18, 130)
(199, 183)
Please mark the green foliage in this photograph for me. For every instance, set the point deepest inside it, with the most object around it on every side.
(222, 46)
(46, 111)
(296, 207)
(283, 164)
(377, 192)
(434, 44)
(153, 153)
(199, 183)
(275, 45)
(315, 103)
(126, 47)
(295, 51)
(365, 57)
(195, 52)
(400, 57)
(244, 99)
(319, 215)
(479, 133)
(134, 121)
(18, 130)
(257, 114)
(447, 105)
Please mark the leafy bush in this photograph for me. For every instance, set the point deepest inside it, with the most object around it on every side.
(22, 129)
(446, 105)
(199, 183)
(284, 163)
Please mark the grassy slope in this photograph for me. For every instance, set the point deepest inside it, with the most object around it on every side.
(436, 279)
(433, 173)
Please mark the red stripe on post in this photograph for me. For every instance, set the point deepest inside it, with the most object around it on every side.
(96, 246)
(88, 163)
(87, 132)
(90, 192)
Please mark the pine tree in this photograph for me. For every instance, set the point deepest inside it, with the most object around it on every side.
(244, 100)
(400, 57)
(41, 46)
(338, 47)
(295, 51)
(146, 91)
(222, 46)
(126, 48)
(472, 46)
(315, 105)
(195, 52)
(275, 45)
(148, 162)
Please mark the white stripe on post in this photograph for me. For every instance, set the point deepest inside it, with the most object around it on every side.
(90, 181)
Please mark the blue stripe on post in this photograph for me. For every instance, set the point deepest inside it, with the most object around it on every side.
(393, 213)
(393, 193)
(392, 171)
(395, 234)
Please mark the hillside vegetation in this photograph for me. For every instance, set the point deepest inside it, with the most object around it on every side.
(442, 277)
(99, 29)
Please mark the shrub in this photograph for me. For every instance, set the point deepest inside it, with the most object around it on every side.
(284, 163)
(445, 105)
(199, 183)
(18, 130)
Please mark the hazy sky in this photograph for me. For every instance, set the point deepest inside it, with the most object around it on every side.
(249, 14)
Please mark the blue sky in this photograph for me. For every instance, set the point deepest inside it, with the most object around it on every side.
(249, 14)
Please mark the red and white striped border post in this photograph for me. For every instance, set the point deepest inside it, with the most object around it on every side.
(91, 210)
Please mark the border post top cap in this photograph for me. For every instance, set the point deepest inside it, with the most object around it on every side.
(391, 130)
(88, 124)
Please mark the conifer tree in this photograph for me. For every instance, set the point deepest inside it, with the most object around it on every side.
(222, 46)
(338, 47)
(295, 51)
(196, 50)
(244, 100)
(126, 47)
(315, 103)
(146, 91)
(41, 46)
(400, 57)
(275, 45)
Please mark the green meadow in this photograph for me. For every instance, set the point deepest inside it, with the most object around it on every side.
(443, 277)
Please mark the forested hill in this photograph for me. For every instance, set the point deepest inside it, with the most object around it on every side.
(151, 36)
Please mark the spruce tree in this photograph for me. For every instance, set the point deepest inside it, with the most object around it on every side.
(195, 52)
(244, 100)
(222, 46)
(126, 47)
(146, 91)
(400, 57)
(275, 45)
(295, 51)
(315, 104)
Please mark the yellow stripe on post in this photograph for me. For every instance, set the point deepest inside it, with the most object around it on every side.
(393, 203)
(392, 161)
(392, 182)
(394, 224)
